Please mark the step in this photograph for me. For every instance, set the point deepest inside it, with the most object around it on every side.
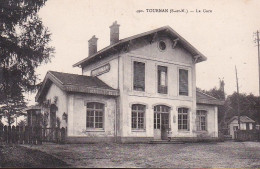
(165, 142)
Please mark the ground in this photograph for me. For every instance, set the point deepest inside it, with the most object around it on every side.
(189, 155)
(15, 156)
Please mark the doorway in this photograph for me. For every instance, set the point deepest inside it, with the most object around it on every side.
(161, 122)
(53, 110)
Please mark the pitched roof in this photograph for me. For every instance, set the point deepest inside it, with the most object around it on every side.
(75, 83)
(80, 80)
(203, 98)
(243, 119)
(125, 41)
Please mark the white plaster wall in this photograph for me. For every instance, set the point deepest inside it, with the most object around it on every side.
(77, 115)
(149, 116)
(111, 77)
(177, 55)
(61, 102)
(174, 59)
(212, 120)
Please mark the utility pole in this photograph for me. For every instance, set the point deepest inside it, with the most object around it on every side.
(238, 106)
(257, 41)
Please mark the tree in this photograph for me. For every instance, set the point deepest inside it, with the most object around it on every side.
(24, 45)
(249, 106)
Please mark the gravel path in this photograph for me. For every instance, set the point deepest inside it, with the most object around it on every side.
(191, 155)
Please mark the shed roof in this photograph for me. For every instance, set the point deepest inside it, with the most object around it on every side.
(75, 83)
(203, 98)
(167, 29)
(243, 119)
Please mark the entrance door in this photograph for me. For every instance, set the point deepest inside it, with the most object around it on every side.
(165, 125)
(161, 122)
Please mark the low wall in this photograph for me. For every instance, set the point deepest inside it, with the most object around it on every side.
(247, 135)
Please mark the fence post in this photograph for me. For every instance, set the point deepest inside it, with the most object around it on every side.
(37, 134)
(5, 134)
(17, 135)
(22, 136)
(26, 135)
(13, 134)
(56, 138)
(9, 131)
(43, 134)
(20, 131)
(63, 135)
(1, 133)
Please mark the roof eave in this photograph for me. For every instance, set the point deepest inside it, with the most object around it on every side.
(217, 103)
(174, 33)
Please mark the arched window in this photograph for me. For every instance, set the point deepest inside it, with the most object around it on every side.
(183, 118)
(161, 116)
(138, 116)
(95, 115)
(201, 120)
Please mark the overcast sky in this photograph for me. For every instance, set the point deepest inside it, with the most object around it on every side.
(224, 36)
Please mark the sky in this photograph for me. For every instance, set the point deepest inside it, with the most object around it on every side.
(224, 35)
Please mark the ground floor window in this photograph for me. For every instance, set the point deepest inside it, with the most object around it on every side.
(201, 120)
(183, 118)
(138, 116)
(95, 112)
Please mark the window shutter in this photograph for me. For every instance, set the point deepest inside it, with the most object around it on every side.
(139, 76)
(183, 82)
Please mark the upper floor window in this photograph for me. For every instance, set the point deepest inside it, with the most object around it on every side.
(201, 120)
(95, 113)
(183, 118)
(139, 76)
(183, 82)
(138, 115)
(162, 80)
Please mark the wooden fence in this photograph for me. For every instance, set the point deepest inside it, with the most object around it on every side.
(31, 135)
(247, 135)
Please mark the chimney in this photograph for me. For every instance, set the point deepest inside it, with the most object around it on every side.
(92, 46)
(114, 33)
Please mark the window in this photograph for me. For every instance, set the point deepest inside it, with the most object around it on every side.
(162, 79)
(201, 120)
(139, 76)
(183, 82)
(138, 113)
(162, 45)
(95, 112)
(183, 119)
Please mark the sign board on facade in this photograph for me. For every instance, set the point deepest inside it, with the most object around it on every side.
(100, 70)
